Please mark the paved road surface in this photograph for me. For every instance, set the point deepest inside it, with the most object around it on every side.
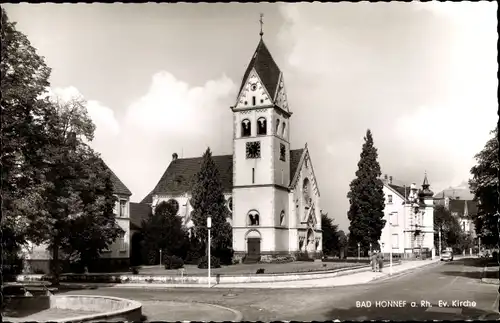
(443, 282)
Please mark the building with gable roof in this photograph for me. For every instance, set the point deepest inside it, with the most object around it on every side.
(411, 213)
(271, 190)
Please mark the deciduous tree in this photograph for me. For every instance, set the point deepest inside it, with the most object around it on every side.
(24, 78)
(366, 198)
(484, 186)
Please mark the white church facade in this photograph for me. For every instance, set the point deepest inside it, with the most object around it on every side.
(271, 190)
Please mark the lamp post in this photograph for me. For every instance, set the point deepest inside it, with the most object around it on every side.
(209, 225)
(390, 244)
(440, 243)
(371, 249)
(359, 250)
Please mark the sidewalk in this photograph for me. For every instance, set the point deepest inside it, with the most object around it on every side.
(348, 279)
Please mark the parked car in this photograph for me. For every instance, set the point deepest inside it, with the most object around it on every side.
(447, 256)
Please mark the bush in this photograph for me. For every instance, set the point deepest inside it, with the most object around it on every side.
(304, 257)
(173, 262)
(260, 271)
(214, 262)
(225, 256)
(283, 259)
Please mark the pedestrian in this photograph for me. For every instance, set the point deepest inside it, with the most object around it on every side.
(380, 261)
(373, 260)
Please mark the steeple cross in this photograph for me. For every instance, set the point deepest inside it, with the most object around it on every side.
(261, 23)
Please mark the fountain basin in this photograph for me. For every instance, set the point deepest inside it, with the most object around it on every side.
(71, 308)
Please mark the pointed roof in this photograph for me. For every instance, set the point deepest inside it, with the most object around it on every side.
(266, 68)
(426, 192)
(180, 174)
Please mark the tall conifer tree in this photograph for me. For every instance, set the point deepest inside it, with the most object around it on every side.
(366, 196)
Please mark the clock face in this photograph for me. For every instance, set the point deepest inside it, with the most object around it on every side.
(253, 149)
(282, 152)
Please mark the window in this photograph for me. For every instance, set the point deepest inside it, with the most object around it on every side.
(123, 208)
(283, 129)
(246, 129)
(121, 243)
(394, 218)
(282, 217)
(253, 100)
(395, 241)
(173, 205)
(282, 178)
(253, 175)
(389, 199)
(262, 126)
(282, 152)
(253, 218)
(277, 125)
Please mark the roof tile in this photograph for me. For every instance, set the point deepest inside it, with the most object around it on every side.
(180, 175)
(138, 212)
(266, 68)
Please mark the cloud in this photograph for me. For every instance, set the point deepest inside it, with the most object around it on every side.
(421, 77)
(170, 117)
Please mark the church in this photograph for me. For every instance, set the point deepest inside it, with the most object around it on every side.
(270, 189)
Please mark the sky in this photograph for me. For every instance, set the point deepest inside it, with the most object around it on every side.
(160, 78)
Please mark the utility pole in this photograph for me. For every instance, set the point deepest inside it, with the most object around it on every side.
(440, 244)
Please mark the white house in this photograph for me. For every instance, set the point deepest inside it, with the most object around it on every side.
(270, 189)
(411, 213)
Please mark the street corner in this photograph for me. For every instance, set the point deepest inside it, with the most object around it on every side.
(188, 311)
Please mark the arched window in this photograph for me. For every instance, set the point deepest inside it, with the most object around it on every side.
(306, 191)
(246, 129)
(282, 218)
(229, 204)
(277, 126)
(253, 218)
(262, 126)
(174, 205)
(283, 129)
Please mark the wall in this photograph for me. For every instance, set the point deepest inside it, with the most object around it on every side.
(116, 250)
(253, 198)
(398, 222)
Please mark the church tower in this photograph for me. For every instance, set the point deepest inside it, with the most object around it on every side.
(261, 165)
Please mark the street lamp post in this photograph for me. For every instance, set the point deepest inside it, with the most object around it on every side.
(359, 251)
(371, 249)
(390, 244)
(209, 225)
(440, 243)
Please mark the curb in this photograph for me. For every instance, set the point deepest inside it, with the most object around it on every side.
(490, 281)
(402, 273)
(239, 316)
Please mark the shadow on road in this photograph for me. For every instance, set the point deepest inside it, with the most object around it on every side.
(473, 274)
(409, 313)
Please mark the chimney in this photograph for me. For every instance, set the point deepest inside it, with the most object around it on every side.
(385, 177)
(174, 156)
(390, 179)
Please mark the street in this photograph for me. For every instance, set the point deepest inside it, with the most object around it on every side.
(444, 291)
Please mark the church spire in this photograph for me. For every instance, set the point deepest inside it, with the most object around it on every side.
(261, 23)
(426, 192)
